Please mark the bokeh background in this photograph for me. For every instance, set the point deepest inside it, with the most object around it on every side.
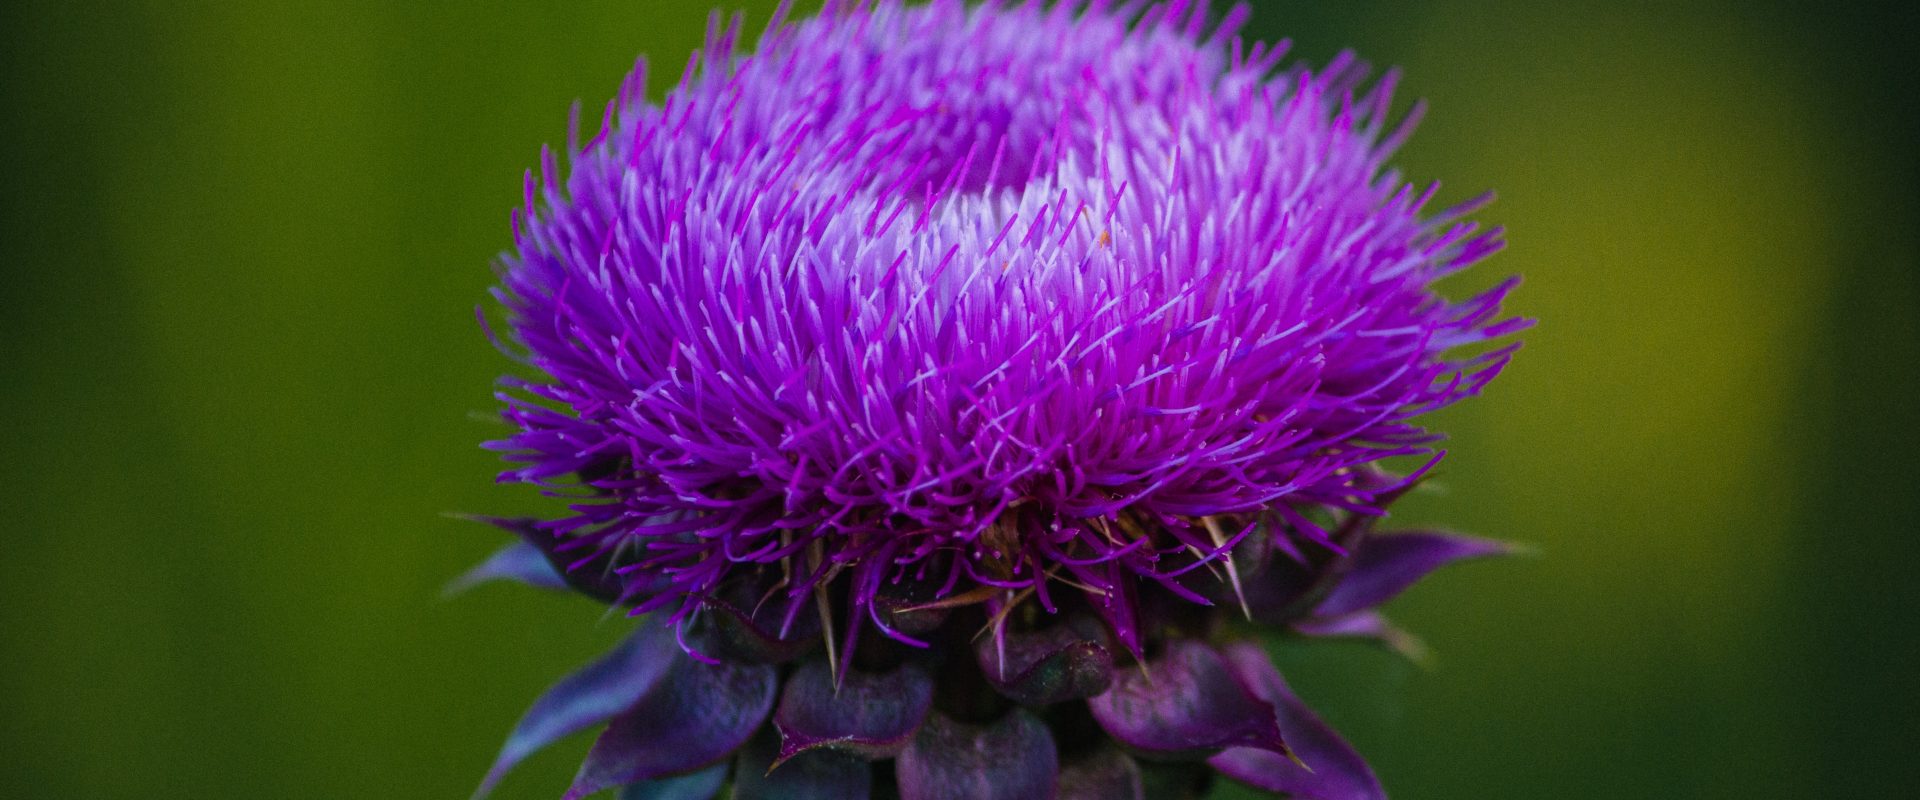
(242, 245)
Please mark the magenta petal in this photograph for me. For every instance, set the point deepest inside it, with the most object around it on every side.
(1186, 706)
(1337, 772)
(702, 785)
(590, 696)
(518, 562)
(817, 775)
(872, 715)
(1107, 774)
(1386, 564)
(1012, 759)
(696, 716)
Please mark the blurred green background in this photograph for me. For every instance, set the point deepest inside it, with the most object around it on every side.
(243, 242)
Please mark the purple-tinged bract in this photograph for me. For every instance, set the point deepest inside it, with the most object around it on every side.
(1058, 321)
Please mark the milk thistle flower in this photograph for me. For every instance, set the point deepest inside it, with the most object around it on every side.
(950, 390)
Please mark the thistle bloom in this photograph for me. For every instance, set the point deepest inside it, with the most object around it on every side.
(941, 382)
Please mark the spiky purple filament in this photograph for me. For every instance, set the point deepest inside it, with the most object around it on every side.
(1021, 298)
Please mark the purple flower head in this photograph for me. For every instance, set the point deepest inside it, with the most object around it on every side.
(979, 297)
(1065, 310)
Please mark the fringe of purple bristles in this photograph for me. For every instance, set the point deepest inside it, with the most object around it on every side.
(729, 317)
